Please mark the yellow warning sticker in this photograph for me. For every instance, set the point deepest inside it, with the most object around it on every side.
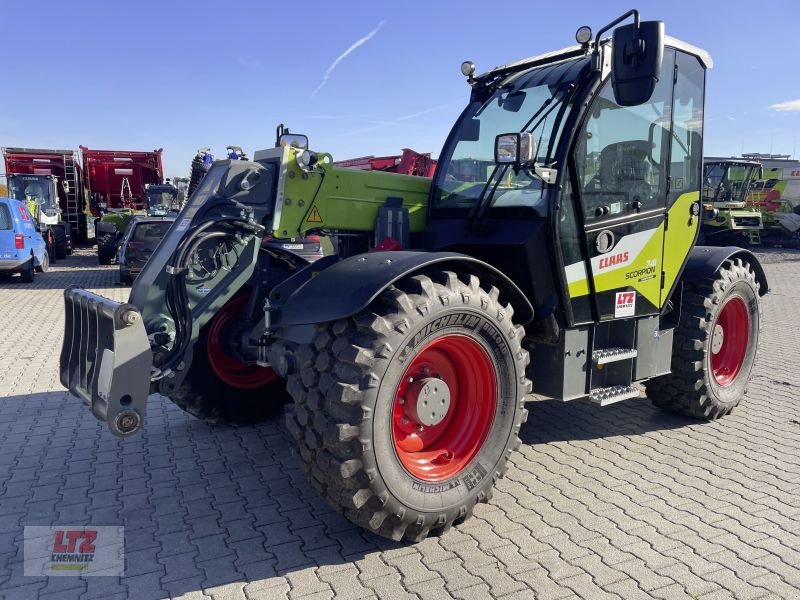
(314, 216)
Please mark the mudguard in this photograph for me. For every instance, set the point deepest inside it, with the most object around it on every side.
(704, 261)
(350, 285)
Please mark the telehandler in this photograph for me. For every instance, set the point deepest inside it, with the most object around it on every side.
(552, 252)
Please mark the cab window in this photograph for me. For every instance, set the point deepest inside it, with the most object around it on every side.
(686, 160)
(621, 155)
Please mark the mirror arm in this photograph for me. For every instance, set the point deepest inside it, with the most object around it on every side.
(596, 64)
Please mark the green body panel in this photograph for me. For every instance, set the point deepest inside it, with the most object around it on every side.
(663, 251)
(328, 197)
(120, 219)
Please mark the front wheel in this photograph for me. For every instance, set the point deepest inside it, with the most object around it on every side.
(60, 241)
(715, 345)
(45, 264)
(220, 388)
(406, 414)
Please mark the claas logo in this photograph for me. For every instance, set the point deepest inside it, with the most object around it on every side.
(614, 259)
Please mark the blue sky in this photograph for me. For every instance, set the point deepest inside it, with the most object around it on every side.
(213, 74)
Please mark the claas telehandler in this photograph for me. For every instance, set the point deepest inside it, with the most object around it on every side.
(553, 252)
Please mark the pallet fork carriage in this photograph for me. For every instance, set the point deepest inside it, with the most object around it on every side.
(552, 251)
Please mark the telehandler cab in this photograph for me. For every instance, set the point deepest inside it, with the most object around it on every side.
(553, 251)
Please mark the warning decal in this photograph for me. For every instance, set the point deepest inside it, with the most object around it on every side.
(314, 216)
(625, 305)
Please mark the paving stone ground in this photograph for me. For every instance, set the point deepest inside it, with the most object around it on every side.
(617, 502)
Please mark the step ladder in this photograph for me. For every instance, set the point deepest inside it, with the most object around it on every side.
(71, 189)
(615, 393)
(605, 356)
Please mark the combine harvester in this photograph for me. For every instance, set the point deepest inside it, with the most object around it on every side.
(728, 217)
(553, 250)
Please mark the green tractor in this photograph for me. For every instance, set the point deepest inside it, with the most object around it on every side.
(728, 218)
(40, 192)
(161, 200)
(552, 252)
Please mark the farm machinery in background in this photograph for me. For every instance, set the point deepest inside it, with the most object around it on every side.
(728, 218)
(54, 179)
(776, 194)
(120, 185)
(552, 252)
(407, 163)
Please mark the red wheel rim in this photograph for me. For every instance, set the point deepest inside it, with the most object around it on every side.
(227, 368)
(729, 340)
(441, 451)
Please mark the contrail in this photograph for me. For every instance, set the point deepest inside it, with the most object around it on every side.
(345, 54)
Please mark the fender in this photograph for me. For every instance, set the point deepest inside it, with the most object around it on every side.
(704, 261)
(350, 285)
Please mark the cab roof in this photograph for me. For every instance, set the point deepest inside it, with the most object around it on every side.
(577, 50)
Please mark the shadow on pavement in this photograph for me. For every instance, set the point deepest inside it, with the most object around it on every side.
(556, 421)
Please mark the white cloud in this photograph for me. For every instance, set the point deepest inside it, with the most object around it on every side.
(248, 63)
(789, 105)
(345, 54)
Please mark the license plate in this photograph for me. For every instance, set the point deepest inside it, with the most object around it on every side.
(293, 246)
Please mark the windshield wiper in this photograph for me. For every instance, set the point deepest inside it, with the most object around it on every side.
(485, 201)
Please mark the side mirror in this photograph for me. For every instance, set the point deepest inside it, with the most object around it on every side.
(295, 140)
(517, 149)
(638, 52)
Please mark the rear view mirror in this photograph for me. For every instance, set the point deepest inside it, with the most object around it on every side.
(512, 101)
(295, 140)
(638, 52)
(516, 149)
(470, 130)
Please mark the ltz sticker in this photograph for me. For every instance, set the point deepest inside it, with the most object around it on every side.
(625, 305)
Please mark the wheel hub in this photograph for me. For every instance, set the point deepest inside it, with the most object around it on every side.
(428, 401)
(444, 407)
(717, 339)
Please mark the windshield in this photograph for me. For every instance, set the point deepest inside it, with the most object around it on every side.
(33, 189)
(726, 182)
(161, 200)
(532, 101)
(146, 236)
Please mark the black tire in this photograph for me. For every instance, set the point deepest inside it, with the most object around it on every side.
(45, 264)
(27, 272)
(692, 388)
(204, 395)
(106, 248)
(60, 241)
(344, 386)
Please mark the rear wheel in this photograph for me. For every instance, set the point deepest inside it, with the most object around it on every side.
(27, 272)
(220, 388)
(60, 241)
(715, 345)
(405, 414)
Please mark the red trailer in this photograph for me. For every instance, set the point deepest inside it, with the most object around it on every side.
(407, 163)
(64, 166)
(117, 178)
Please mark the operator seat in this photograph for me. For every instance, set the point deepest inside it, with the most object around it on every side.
(623, 176)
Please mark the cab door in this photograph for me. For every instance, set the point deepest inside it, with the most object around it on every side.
(620, 168)
(685, 166)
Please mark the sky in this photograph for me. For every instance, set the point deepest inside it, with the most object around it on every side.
(358, 78)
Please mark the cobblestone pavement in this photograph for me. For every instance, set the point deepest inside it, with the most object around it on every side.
(616, 502)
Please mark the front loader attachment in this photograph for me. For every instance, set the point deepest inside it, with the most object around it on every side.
(106, 359)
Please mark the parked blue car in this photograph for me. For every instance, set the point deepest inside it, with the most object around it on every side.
(22, 248)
